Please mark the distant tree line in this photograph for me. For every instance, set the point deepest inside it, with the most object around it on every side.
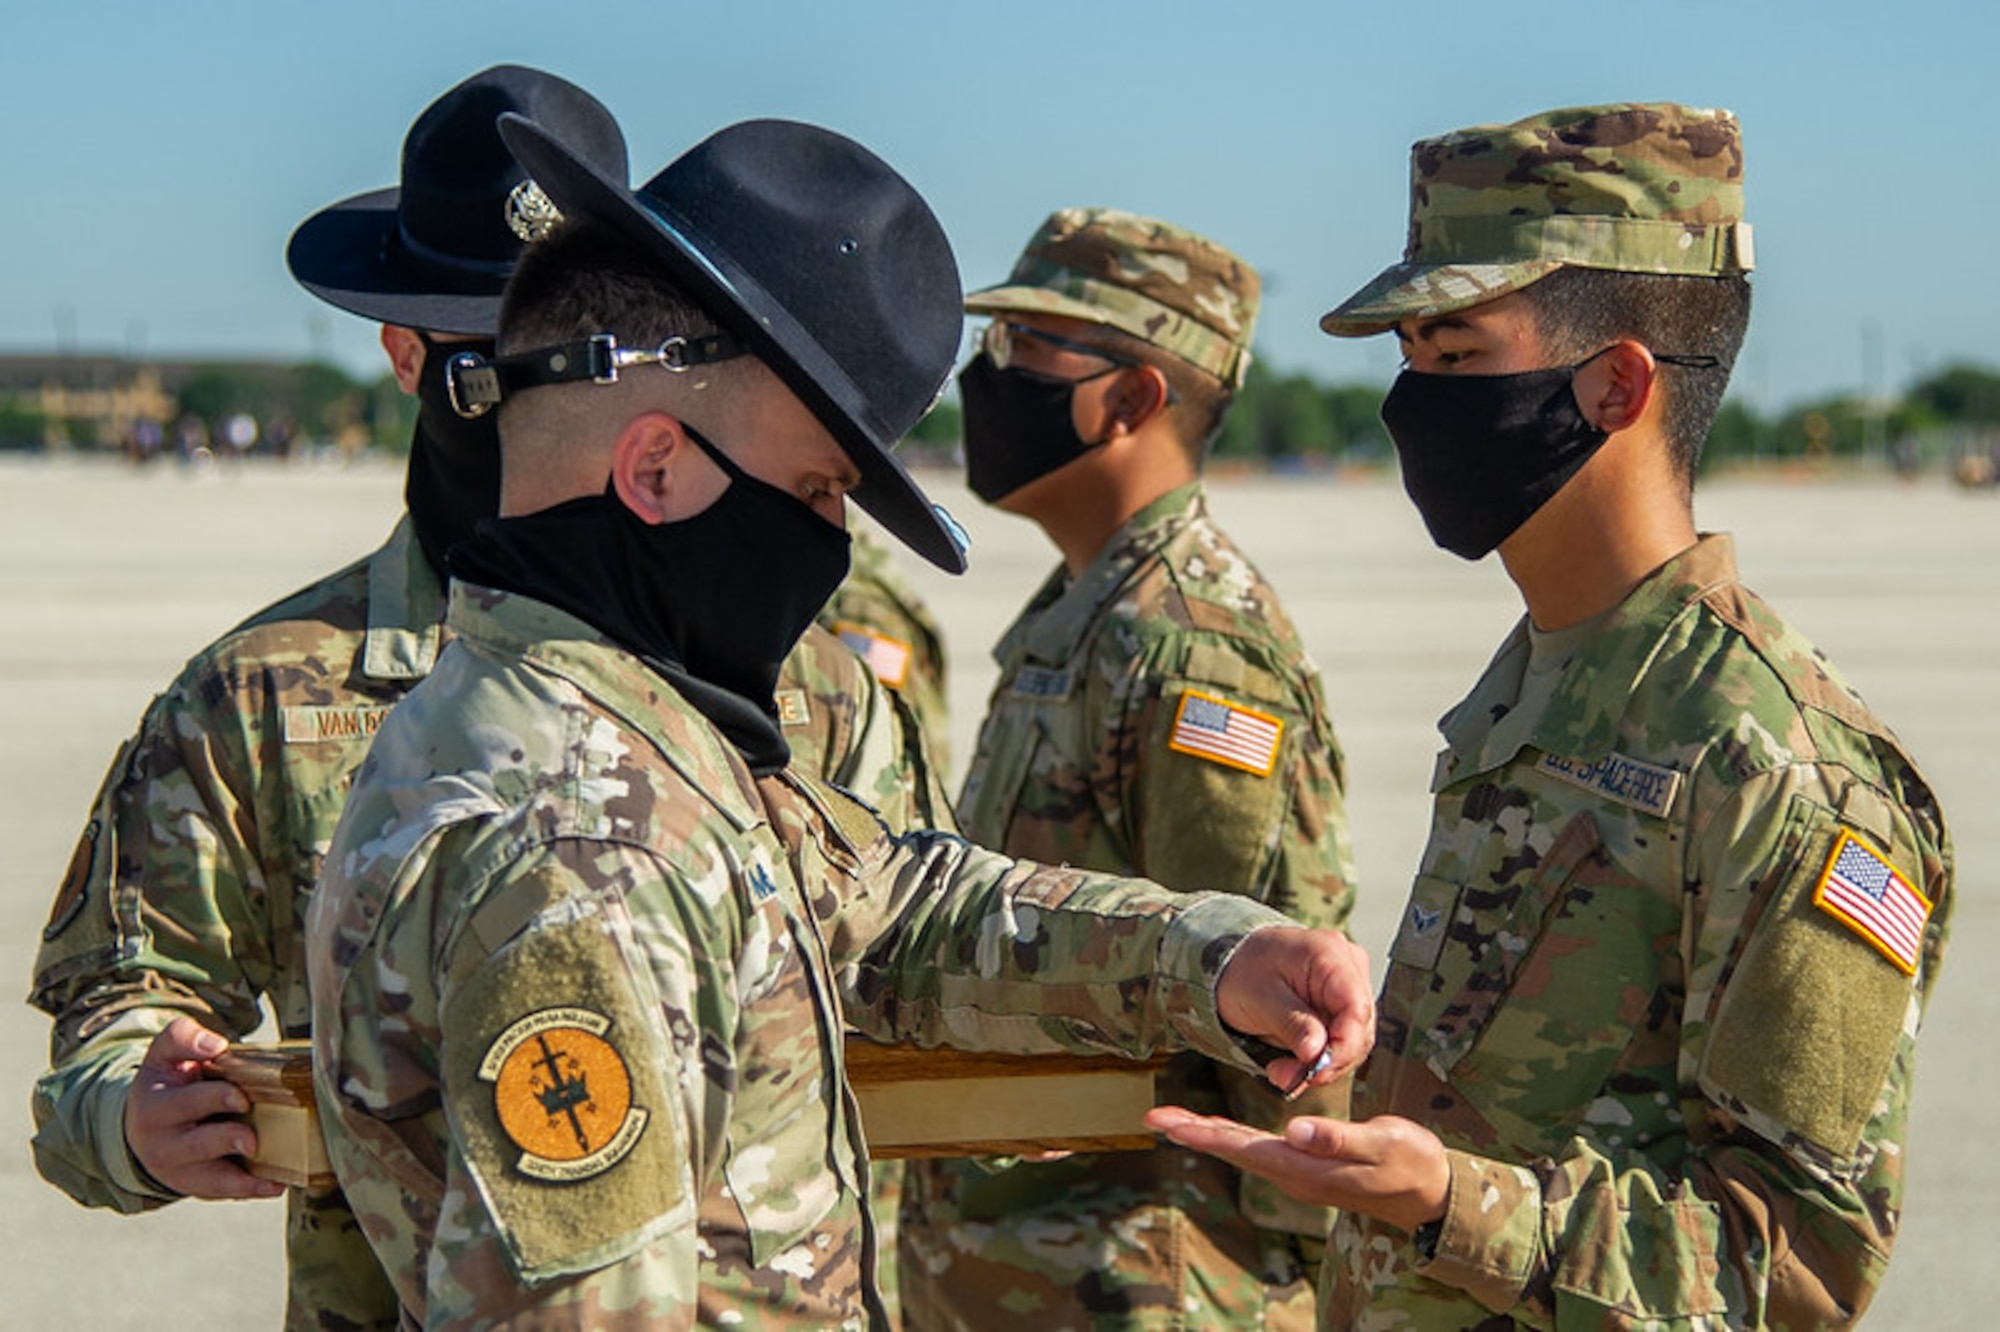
(1278, 418)
(1286, 416)
(308, 403)
(321, 402)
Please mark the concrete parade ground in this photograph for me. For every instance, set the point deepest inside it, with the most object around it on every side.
(109, 578)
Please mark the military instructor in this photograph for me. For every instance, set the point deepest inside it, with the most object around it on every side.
(587, 940)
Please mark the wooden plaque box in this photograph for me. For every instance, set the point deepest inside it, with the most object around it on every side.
(913, 1103)
(952, 1103)
(283, 1113)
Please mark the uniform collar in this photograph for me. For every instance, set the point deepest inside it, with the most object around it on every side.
(1060, 614)
(1581, 718)
(405, 610)
(509, 624)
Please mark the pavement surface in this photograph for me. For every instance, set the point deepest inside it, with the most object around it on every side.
(110, 578)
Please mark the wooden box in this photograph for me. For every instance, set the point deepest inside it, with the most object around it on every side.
(913, 1103)
(278, 1080)
(952, 1103)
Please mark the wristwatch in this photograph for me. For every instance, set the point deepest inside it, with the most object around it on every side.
(1424, 1239)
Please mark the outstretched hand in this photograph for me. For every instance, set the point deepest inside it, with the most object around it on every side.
(1386, 1167)
(1307, 991)
(175, 1121)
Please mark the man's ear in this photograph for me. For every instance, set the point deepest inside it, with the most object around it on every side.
(1137, 395)
(1617, 386)
(406, 356)
(648, 466)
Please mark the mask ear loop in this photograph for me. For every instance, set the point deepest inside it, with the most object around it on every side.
(1685, 362)
(716, 455)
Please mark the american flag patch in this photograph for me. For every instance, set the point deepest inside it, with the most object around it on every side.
(1223, 732)
(1865, 893)
(888, 657)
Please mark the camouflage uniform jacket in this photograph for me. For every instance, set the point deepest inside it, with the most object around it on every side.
(1100, 748)
(188, 891)
(579, 983)
(1673, 1086)
(878, 614)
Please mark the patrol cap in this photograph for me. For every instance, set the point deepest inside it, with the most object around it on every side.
(1158, 282)
(1632, 187)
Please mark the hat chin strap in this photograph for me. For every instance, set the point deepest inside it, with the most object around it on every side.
(477, 384)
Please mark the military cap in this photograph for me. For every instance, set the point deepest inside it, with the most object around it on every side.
(1632, 187)
(811, 249)
(435, 250)
(1158, 282)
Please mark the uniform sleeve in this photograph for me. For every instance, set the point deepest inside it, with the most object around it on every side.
(161, 913)
(939, 942)
(1230, 778)
(572, 1007)
(1227, 775)
(877, 614)
(1797, 1050)
(889, 764)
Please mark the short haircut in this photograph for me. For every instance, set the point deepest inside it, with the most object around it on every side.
(586, 278)
(1200, 399)
(1581, 311)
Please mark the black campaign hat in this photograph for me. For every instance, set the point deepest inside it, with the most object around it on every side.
(435, 252)
(824, 261)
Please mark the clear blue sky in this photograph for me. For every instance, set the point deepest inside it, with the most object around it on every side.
(155, 157)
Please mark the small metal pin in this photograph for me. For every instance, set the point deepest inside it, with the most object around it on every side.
(1312, 1070)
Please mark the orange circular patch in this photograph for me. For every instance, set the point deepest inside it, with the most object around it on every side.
(562, 1094)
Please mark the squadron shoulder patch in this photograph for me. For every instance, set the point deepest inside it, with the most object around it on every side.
(1865, 893)
(563, 1095)
(888, 657)
(1227, 733)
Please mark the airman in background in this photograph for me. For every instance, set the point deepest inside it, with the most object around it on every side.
(1156, 714)
(878, 614)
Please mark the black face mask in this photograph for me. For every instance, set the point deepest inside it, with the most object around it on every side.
(454, 476)
(1481, 453)
(715, 601)
(1018, 427)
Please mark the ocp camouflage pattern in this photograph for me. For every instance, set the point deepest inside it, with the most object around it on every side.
(876, 602)
(189, 888)
(1633, 187)
(1074, 766)
(1674, 1090)
(204, 846)
(545, 833)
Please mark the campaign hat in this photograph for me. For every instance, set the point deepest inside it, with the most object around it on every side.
(826, 263)
(434, 251)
